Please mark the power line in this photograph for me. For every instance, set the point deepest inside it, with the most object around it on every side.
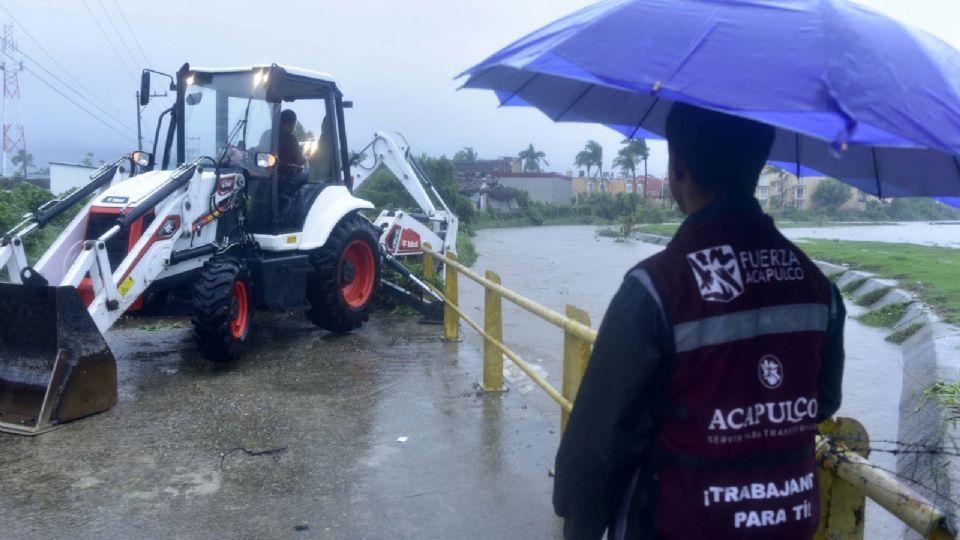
(126, 135)
(132, 33)
(109, 41)
(123, 42)
(52, 58)
(68, 98)
(67, 85)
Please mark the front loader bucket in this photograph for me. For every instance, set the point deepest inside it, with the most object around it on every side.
(54, 364)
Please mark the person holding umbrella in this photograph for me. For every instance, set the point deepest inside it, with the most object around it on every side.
(713, 365)
(718, 356)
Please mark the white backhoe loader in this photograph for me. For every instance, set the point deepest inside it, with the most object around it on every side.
(220, 221)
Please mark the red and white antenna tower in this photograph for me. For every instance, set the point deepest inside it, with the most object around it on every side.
(13, 137)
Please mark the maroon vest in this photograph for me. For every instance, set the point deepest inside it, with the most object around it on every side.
(749, 313)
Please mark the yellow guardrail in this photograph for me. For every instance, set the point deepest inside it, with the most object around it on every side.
(845, 475)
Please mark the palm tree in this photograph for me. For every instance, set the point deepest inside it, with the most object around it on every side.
(627, 163)
(468, 154)
(639, 149)
(23, 159)
(591, 156)
(531, 158)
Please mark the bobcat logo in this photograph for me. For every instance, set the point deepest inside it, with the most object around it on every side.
(717, 273)
(771, 371)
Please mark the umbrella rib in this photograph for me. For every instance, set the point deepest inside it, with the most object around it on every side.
(645, 115)
(521, 89)
(574, 102)
(876, 173)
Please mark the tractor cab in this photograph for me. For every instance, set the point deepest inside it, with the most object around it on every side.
(239, 118)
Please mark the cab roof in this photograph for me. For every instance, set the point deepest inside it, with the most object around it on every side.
(291, 70)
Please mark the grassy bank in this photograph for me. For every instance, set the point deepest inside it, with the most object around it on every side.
(466, 251)
(669, 229)
(947, 395)
(929, 271)
(523, 221)
(662, 229)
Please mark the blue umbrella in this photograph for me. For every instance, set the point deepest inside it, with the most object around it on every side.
(950, 201)
(853, 94)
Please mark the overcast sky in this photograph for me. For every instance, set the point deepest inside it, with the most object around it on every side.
(396, 60)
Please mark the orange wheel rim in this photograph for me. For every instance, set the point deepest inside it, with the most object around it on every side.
(357, 273)
(241, 310)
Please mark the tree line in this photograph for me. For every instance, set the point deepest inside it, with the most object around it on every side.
(627, 161)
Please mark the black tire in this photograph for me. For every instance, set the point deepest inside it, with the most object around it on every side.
(346, 275)
(222, 309)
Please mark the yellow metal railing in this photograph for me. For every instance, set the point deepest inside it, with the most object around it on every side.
(846, 477)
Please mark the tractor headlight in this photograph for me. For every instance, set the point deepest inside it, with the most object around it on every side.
(261, 77)
(143, 159)
(266, 160)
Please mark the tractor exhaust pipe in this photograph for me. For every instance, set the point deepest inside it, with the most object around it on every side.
(55, 365)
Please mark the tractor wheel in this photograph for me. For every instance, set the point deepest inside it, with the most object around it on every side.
(346, 274)
(222, 308)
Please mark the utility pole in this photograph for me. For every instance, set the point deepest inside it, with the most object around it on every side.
(140, 117)
(13, 136)
(139, 120)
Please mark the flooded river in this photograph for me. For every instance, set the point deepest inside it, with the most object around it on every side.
(556, 266)
(943, 233)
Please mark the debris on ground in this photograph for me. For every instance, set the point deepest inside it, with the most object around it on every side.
(271, 452)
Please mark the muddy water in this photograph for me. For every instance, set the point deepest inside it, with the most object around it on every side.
(556, 266)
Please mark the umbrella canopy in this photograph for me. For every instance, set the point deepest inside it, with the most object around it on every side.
(950, 201)
(853, 94)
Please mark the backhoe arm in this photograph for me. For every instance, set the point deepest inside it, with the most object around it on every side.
(402, 233)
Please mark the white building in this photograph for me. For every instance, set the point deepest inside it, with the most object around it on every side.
(67, 176)
(550, 188)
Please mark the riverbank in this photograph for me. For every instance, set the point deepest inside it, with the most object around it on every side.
(669, 229)
(927, 271)
(929, 410)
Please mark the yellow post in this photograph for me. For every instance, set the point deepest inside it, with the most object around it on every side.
(427, 263)
(451, 321)
(493, 326)
(841, 504)
(576, 355)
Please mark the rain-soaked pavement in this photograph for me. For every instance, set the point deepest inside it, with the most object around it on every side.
(298, 439)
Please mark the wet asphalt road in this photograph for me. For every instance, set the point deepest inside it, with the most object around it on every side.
(298, 439)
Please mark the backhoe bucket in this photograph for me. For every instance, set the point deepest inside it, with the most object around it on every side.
(54, 364)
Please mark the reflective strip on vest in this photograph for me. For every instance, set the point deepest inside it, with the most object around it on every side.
(750, 323)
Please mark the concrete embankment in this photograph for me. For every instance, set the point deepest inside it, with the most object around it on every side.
(931, 353)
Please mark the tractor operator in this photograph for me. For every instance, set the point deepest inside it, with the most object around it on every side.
(290, 173)
(288, 147)
(713, 365)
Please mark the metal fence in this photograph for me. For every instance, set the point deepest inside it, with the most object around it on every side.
(845, 474)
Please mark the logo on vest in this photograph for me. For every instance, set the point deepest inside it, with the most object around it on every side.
(771, 371)
(717, 273)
